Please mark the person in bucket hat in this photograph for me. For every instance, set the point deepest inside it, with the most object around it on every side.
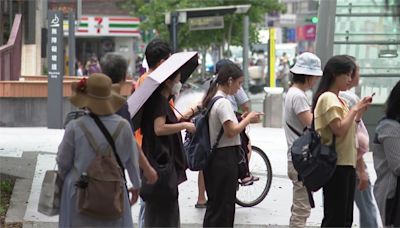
(307, 64)
(297, 116)
(75, 153)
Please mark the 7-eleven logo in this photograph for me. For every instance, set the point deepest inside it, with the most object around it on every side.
(98, 25)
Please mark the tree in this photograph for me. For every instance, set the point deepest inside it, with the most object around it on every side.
(153, 13)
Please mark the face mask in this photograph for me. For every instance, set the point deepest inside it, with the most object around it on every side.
(176, 88)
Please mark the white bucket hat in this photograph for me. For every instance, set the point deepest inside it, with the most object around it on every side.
(307, 64)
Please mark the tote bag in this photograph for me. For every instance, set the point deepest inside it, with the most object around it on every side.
(50, 195)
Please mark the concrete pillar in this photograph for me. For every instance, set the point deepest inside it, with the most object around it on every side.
(273, 107)
(325, 30)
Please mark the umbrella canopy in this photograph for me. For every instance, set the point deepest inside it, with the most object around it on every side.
(186, 62)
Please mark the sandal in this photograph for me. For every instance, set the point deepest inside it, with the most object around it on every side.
(249, 180)
(201, 205)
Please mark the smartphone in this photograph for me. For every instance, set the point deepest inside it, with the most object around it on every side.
(372, 95)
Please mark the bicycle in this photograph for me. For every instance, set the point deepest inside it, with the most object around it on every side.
(259, 166)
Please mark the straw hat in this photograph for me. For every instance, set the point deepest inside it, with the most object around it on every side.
(96, 93)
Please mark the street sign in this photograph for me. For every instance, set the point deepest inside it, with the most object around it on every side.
(55, 60)
(66, 7)
(206, 23)
(287, 19)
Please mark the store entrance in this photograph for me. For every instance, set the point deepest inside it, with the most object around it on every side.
(93, 47)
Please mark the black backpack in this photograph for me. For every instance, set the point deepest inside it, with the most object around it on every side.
(314, 162)
(74, 115)
(197, 146)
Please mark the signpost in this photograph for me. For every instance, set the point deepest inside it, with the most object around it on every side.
(55, 58)
(206, 23)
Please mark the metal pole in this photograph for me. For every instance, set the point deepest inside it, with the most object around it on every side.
(271, 57)
(325, 30)
(174, 28)
(71, 43)
(246, 52)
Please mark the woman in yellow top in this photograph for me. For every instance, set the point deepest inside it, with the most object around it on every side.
(332, 116)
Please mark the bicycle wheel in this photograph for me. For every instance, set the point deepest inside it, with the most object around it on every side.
(259, 166)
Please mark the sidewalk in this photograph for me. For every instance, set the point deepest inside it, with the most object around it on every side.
(273, 211)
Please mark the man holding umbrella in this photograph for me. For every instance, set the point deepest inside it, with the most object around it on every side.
(157, 51)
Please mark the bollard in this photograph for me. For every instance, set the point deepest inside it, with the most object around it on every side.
(273, 107)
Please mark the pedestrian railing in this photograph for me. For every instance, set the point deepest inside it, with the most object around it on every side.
(10, 53)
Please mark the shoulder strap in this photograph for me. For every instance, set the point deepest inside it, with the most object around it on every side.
(211, 103)
(293, 129)
(89, 136)
(333, 135)
(115, 135)
(209, 106)
(218, 138)
(108, 137)
(91, 139)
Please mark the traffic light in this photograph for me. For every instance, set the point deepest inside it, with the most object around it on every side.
(313, 19)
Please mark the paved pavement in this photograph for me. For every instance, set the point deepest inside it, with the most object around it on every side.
(273, 211)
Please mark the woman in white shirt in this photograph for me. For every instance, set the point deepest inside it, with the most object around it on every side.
(221, 172)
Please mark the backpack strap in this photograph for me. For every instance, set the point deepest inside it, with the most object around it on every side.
(211, 103)
(89, 136)
(115, 135)
(209, 106)
(313, 128)
(293, 129)
(91, 139)
(109, 138)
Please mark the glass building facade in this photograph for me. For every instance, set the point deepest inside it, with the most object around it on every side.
(368, 30)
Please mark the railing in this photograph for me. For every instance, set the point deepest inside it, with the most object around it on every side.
(36, 86)
(10, 54)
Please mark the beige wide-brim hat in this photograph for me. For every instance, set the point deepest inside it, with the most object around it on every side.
(97, 94)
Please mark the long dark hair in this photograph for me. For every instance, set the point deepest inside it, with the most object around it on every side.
(227, 71)
(337, 65)
(353, 74)
(393, 102)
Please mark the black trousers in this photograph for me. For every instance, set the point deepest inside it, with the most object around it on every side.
(162, 214)
(339, 198)
(221, 178)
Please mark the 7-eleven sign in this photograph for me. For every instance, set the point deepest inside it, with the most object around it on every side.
(107, 26)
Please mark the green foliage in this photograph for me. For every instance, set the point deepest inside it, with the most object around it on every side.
(6, 187)
(153, 17)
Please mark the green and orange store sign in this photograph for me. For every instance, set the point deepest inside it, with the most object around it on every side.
(106, 26)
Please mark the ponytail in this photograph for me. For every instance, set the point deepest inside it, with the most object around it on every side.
(226, 71)
(212, 90)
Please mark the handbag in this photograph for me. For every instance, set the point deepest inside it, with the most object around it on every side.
(50, 194)
(165, 189)
(392, 210)
(362, 139)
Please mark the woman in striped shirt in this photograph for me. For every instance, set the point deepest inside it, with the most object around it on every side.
(386, 153)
